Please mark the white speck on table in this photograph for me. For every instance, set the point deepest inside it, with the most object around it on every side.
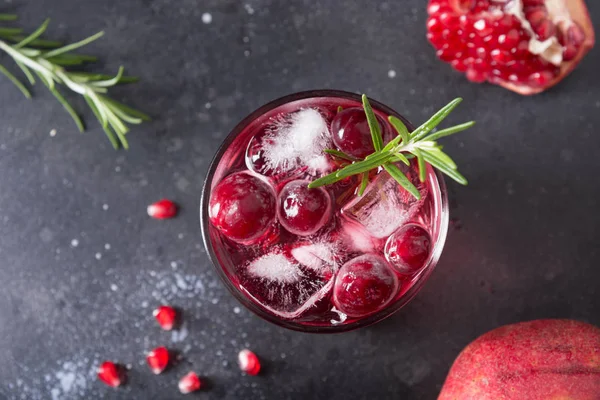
(105, 207)
(74, 243)
(114, 287)
(391, 74)
(53, 132)
(98, 256)
(107, 246)
(206, 18)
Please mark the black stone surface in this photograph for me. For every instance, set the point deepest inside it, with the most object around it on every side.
(524, 244)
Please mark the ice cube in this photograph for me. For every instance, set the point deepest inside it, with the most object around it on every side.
(297, 140)
(384, 206)
(283, 286)
(319, 257)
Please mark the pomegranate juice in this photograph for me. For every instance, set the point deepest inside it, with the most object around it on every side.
(323, 259)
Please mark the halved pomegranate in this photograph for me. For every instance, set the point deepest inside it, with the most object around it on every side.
(526, 46)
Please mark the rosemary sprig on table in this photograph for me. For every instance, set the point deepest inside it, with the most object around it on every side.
(420, 144)
(48, 61)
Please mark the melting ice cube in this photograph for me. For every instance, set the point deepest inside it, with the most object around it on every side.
(283, 285)
(297, 140)
(384, 206)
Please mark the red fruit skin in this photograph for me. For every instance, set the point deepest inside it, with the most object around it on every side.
(158, 360)
(162, 209)
(537, 360)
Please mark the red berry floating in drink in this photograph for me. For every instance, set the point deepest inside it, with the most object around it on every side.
(242, 207)
(408, 248)
(526, 46)
(298, 208)
(189, 383)
(110, 373)
(303, 211)
(166, 316)
(364, 285)
(162, 209)
(158, 359)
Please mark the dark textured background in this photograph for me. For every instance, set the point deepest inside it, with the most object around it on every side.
(525, 244)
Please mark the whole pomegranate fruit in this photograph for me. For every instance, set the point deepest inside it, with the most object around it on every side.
(537, 360)
(526, 46)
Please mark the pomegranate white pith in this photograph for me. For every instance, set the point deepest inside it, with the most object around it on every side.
(526, 46)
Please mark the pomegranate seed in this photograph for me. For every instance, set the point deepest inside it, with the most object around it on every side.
(483, 28)
(248, 362)
(541, 79)
(189, 383)
(162, 209)
(110, 373)
(158, 359)
(434, 25)
(459, 65)
(166, 317)
(510, 39)
(476, 76)
(501, 57)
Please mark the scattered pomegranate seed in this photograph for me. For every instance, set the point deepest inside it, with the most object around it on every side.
(248, 362)
(158, 359)
(109, 373)
(189, 383)
(166, 317)
(162, 209)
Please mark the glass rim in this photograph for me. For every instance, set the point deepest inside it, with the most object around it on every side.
(382, 314)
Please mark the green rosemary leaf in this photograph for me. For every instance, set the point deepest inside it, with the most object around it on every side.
(422, 166)
(364, 181)
(365, 165)
(325, 180)
(71, 59)
(400, 128)
(440, 155)
(401, 157)
(43, 43)
(69, 109)
(16, 82)
(8, 17)
(402, 180)
(450, 131)
(452, 173)
(73, 46)
(36, 34)
(118, 127)
(434, 121)
(110, 82)
(340, 154)
(129, 110)
(373, 124)
(124, 116)
(107, 131)
(91, 77)
(10, 31)
(26, 71)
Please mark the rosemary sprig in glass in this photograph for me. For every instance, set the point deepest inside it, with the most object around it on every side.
(420, 144)
(49, 60)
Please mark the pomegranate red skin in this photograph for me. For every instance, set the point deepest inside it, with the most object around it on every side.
(242, 207)
(536, 360)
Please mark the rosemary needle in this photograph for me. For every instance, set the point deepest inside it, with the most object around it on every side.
(48, 61)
